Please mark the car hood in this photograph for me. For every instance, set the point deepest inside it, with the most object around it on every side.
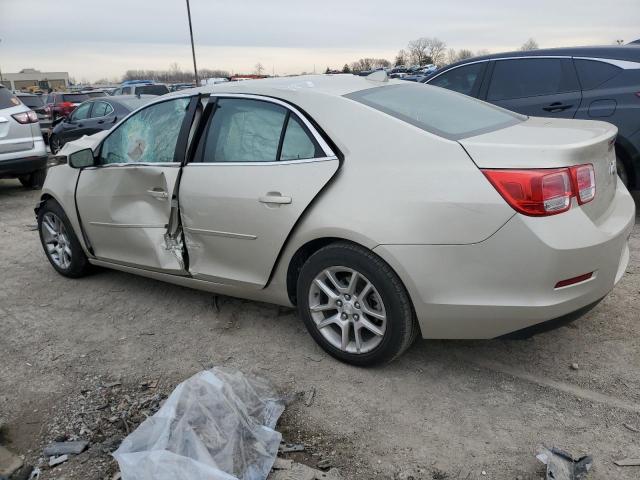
(86, 141)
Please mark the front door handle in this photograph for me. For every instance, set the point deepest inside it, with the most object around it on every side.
(159, 194)
(556, 107)
(275, 198)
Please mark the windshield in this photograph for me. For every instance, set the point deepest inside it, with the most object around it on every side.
(75, 97)
(152, 90)
(441, 112)
(32, 102)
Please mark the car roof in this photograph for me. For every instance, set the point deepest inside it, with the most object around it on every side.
(290, 88)
(26, 94)
(629, 53)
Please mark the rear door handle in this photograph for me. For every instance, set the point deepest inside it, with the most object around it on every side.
(157, 193)
(275, 198)
(556, 107)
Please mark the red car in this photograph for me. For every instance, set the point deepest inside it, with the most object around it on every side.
(62, 104)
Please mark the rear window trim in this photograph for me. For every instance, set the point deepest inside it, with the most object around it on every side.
(516, 118)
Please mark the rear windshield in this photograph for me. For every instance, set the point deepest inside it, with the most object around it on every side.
(152, 90)
(75, 97)
(8, 99)
(441, 112)
(96, 94)
(32, 102)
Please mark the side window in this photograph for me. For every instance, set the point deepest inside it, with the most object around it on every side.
(244, 131)
(149, 136)
(81, 112)
(461, 79)
(593, 73)
(531, 77)
(125, 91)
(101, 109)
(297, 143)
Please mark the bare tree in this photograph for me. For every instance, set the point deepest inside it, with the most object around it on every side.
(436, 49)
(365, 64)
(482, 52)
(452, 55)
(258, 69)
(401, 58)
(418, 51)
(530, 44)
(464, 53)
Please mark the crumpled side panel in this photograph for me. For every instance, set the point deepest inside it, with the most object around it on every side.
(217, 425)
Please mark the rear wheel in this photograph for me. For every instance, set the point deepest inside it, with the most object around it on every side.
(60, 242)
(355, 306)
(35, 179)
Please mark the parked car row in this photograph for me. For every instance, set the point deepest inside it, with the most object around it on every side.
(596, 83)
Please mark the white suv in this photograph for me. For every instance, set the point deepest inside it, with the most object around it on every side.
(23, 154)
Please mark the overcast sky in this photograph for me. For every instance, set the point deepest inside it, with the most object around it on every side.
(96, 39)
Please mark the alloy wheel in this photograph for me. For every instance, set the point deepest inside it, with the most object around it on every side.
(347, 310)
(55, 145)
(56, 240)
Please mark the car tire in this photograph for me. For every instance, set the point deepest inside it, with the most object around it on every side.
(55, 145)
(622, 171)
(367, 322)
(59, 241)
(34, 180)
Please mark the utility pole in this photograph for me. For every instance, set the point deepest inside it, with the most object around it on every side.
(193, 49)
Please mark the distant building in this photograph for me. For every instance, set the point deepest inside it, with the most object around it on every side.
(30, 77)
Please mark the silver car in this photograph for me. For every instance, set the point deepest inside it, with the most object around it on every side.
(23, 153)
(381, 209)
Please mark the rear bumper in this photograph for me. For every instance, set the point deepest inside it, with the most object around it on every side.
(22, 166)
(506, 283)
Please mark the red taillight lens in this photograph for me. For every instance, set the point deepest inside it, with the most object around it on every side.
(26, 117)
(536, 192)
(584, 180)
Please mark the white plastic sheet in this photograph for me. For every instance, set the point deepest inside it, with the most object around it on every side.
(217, 425)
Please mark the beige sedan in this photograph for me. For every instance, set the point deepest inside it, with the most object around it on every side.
(381, 209)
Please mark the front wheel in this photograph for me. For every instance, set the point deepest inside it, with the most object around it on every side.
(59, 241)
(34, 180)
(55, 144)
(355, 306)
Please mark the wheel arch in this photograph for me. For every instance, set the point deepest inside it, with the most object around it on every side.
(625, 150)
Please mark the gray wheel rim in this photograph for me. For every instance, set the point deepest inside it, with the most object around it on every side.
(347, 310)
(55, 145)
(56, 240)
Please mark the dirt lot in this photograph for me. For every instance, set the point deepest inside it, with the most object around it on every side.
(446, 409)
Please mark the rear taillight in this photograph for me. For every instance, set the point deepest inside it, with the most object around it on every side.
(584, 181)
(543, 192)
(66, 107)
(26, 117)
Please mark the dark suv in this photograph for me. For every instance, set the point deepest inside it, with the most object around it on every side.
(596, 83)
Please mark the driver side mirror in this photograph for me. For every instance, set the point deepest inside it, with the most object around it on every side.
(82, 158)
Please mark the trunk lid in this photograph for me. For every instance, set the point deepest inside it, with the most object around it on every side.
(553, 143)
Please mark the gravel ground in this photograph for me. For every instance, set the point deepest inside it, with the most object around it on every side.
(446, 409)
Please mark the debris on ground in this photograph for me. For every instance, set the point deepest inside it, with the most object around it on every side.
(298, 471)
(631, 428)
(9, 462)
(309, 396)
(574, 366)
(53, 461)
(562, 466)
(628, 462)
(61, 448)
(219, 424)
(291, 447)
(325, 464)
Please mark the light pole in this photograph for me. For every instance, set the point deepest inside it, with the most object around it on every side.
(193, 49)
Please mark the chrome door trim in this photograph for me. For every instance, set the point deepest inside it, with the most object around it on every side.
(284, 162)
(216, 233)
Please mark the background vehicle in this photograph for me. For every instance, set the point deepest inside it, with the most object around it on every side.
(597, 83)
(400, 214)
(96, 93)
(23, 153)
(37, 104)
(140, 88)
(94, 116)
(62, 104)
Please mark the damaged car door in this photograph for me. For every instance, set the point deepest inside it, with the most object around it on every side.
(258, 165)
(127, 202)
